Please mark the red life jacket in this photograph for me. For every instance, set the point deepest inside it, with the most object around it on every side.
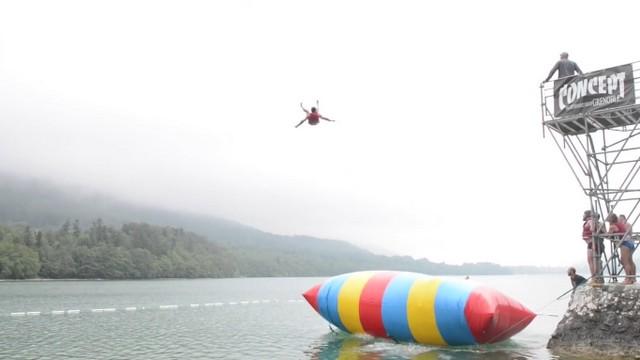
(620, 228)
(586, 230)
(313, 118)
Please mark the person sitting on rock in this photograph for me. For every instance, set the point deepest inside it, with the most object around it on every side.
(576, 280)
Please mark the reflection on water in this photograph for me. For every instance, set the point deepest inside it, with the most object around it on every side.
(342, 346)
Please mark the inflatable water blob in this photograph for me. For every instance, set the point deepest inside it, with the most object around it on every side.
(412, 307)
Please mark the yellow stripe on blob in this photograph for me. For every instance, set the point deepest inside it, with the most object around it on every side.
(421, 311)
(349, 301)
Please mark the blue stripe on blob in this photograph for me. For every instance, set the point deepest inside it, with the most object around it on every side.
(394, 307)
(328, 300)
(450, 302)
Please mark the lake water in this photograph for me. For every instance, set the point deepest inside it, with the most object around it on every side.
(255, 318)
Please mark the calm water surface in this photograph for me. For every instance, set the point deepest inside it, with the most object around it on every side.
(262, 318)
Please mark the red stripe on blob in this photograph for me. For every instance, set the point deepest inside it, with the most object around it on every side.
(479, 312)
(311, 296)
(371, 304)
(493, 317)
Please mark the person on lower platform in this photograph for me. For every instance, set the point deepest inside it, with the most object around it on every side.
(591, 228)
(576, 280)
(627, 247)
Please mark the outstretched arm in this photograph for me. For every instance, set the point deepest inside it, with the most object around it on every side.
(303, 109)
(324, 118)
(302, 121)
(553, 70)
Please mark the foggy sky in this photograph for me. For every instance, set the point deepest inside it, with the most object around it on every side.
(437, 150)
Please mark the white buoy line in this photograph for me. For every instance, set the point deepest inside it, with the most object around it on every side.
(146, 308)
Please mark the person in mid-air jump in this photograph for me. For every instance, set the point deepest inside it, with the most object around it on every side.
(313, 116)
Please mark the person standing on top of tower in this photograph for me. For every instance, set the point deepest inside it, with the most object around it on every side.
(565, 67)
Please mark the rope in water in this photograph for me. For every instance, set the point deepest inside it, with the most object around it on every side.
(538, 313)
(147, 308)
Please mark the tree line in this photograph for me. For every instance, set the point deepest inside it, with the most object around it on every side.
(133, 251)
(143, 251)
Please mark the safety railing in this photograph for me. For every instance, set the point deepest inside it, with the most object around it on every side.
(581, 122)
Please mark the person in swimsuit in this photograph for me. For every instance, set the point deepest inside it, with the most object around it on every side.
(313, 116)
(627, 247)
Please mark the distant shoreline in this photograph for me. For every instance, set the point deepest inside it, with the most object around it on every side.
(463, 277)
(47, 280)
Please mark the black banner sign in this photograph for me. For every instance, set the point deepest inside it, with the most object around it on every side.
(608, 88)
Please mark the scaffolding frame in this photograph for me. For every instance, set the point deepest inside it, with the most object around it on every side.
(602, 149)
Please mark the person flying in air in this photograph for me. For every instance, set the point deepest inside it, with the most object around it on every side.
(313, 116)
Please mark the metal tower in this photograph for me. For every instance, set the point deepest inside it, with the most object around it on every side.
(594, 119)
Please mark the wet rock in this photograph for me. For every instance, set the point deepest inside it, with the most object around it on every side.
(603, 320)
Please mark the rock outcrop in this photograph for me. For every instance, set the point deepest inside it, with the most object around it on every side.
(601, 321)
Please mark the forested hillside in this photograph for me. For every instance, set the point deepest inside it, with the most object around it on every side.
(54, 232)
(134, 251)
